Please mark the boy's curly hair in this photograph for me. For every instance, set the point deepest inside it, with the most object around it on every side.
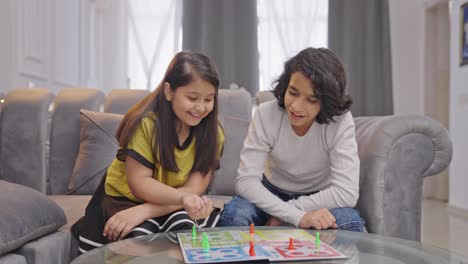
(327, 75)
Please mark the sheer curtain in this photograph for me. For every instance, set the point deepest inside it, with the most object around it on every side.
(284, 29)
(154, 30)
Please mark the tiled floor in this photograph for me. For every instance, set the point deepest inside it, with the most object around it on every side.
(445, 227)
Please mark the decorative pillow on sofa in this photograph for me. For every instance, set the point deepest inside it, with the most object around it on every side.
(98, 147)
(25, 214)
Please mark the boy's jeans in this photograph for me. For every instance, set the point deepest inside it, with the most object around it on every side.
(241, 212)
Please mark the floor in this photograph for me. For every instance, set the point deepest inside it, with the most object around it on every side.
(445, 227)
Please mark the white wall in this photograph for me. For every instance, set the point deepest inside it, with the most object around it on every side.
(458, 114)
(5, 46)
(56, 44)
(420, 68)
(407, 36)
(114, 46)
(437, 83)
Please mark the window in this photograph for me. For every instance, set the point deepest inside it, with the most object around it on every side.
(154, 36)
(285, 28)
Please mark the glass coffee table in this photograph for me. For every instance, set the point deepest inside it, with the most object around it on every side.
(358, 247)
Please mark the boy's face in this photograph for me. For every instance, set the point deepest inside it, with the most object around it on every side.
(192, 102)
(301, 103)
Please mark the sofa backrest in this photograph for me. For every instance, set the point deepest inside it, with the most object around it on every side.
(29, 122)
(65, 133)
(23, 137)
(118, 101)
(235, 109)
(1, 102)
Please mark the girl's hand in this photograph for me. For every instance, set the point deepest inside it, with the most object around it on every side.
(205, 211)
(319, 219)
(120, 224)
(192, 203)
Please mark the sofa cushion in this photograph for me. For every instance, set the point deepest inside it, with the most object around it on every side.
(98, 147)
(26, 214)
(74, 207)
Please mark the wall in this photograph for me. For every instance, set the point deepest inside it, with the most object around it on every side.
(407, 36)
(5, 46)
(420, 68)
(458, 114)
(437, 83)
(56, 44)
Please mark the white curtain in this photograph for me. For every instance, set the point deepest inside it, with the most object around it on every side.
(286, 27)
(154, 36)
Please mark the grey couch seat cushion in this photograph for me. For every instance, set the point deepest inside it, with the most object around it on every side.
(73, 205)
(26, 214)
(98, 147)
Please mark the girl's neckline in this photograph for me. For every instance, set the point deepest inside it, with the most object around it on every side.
(186, 142)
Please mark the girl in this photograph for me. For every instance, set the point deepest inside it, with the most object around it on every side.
(170, 143)
(299, 163)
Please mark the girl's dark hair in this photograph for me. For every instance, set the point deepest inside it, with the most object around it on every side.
(328, 77)
(185, 67)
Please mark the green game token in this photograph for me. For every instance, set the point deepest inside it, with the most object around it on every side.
(194, 232)
(317, 240)
(205, 242)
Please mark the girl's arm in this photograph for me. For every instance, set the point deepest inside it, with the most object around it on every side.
(144, 187)
(197, 183)
(120, 224)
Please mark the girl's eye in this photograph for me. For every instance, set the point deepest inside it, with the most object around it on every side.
(208, 100)
(193, 99)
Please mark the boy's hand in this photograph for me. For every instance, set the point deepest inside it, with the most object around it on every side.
(319, 219)
(120, 224)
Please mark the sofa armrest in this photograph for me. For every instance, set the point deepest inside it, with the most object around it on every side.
(396, 153)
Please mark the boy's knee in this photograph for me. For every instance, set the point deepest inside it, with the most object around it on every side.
(238, 212)
(348, 219)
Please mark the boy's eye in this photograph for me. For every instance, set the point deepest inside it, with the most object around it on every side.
(313, 100)
(192, 98)
(292, 93)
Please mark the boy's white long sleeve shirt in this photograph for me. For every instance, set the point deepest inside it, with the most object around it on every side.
(324, 160)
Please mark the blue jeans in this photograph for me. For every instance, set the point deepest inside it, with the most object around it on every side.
(241, 212)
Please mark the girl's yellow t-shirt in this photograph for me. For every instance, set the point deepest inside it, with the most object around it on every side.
(140, 148)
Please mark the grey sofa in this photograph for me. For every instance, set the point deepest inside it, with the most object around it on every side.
(42, 147)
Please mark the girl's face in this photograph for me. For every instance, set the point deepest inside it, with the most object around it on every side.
(301, 103)
(192, 102)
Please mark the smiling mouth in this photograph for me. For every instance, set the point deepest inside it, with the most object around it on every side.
(195, 115)
(296, 115)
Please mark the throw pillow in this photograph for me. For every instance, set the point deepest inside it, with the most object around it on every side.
(98, 147)
(26, 214)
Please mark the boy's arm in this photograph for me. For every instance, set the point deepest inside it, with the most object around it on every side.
(254, 154)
